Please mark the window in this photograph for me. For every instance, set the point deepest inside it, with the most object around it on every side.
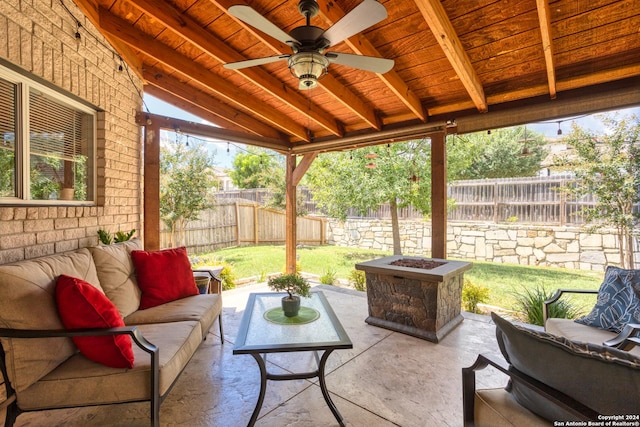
(47, 145)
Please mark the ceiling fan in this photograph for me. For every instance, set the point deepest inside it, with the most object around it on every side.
(309, 60)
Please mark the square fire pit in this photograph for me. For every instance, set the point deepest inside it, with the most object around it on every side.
(422, 300)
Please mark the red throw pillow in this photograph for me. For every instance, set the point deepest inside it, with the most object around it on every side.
(163, 276)
(82, 305)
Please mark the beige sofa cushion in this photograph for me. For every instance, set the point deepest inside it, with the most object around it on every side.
(583, 333)
(203, 308)
(498, 408)
(117, 274)
(27, 301)
(79, 381)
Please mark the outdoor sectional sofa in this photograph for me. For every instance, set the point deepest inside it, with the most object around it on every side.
(37, 296)
(588, 369)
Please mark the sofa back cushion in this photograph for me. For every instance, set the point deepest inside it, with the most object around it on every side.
(117, 274)
(27, 301)
(606, 380)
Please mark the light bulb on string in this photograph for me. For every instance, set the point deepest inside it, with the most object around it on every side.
(559, 128)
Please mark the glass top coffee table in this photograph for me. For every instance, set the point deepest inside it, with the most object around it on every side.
(260, 334)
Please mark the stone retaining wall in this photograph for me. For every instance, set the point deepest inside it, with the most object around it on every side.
(568, 247)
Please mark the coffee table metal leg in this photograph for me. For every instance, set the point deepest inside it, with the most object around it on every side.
(263, 388)
(323, 387)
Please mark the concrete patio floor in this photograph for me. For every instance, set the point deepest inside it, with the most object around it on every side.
(387, 379)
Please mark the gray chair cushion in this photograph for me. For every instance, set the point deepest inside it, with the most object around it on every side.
(618, 301)
(606, 380)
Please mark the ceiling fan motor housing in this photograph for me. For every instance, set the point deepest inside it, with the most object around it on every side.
(308, 8)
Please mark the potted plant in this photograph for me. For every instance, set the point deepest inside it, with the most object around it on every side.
(296, 286)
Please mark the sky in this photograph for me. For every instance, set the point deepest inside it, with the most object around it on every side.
(225, 160)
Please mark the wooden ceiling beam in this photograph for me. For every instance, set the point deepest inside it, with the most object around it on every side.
(207, 131)
(190, 69)
(332, 13)
(544, 16)
(329, 83)
(188, 29)
(90, 9)
(621, 73)
(436, 17)
(172, 90)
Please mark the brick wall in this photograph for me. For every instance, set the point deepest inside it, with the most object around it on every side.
(39, 37)
(568, 247)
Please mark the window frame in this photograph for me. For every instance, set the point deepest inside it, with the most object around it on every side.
(24, 84)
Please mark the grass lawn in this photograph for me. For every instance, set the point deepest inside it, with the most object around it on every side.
(501, 279)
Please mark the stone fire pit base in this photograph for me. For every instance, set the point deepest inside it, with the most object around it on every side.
(418, 302)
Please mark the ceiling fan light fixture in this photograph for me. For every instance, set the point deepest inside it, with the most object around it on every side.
(308, 67)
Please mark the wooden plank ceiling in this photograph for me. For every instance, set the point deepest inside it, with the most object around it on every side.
(453, 59)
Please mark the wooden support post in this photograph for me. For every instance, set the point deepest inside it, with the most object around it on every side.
(293, 176)
(290, 218)
(439, 195)
(152, 186)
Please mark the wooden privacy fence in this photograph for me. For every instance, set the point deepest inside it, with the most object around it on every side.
(531, 200)
(242, 223)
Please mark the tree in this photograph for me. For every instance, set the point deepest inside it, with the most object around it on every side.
(365, 178)
(608, 167)
(187, 182)
(505, 153)
(256, 168)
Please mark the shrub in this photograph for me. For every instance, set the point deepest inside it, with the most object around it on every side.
(472, 295)
(107, 238)
(228, 277)
(227, 274)
(123, 236)
(529, 304)
(358, 280)
(329, 277)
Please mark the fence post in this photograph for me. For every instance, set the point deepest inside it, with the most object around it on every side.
(256, 225)
(563, 204)
(237, 205)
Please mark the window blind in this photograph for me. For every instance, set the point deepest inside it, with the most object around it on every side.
(56, 130)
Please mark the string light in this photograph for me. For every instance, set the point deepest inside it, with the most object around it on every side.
(559, 128)
(227, 147)
(121, 67)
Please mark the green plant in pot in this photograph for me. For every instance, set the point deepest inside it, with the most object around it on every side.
(296, 286)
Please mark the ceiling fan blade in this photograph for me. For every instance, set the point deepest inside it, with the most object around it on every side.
(366, 63)
(249, 16)
(363, 16)
(253, 62)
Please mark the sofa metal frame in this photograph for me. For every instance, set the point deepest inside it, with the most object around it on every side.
(580, 411)
(155, 399)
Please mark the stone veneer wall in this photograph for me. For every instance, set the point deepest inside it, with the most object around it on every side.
(569, 247)
(39, 37)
